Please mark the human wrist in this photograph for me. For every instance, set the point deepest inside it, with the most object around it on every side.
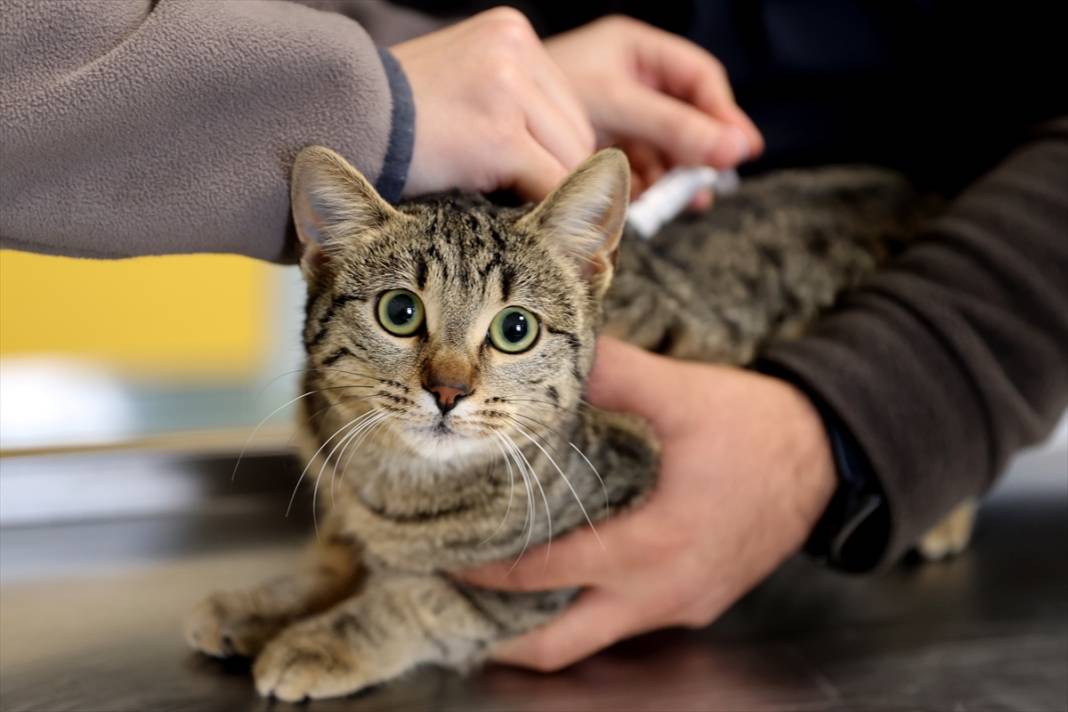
(813, 471)
(853, 531)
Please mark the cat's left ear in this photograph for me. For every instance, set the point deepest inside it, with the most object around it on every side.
(332, 204)
(585, 215)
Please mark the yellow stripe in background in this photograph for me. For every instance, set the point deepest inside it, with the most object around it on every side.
(178, 316)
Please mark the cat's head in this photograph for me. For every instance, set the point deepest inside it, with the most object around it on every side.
(451, 321)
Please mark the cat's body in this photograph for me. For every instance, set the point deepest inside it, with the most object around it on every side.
(411, 491)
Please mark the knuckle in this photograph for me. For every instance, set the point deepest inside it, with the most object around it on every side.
(617, 22)
(614, 92)
(504, 76)
(510, 24)
(502, 130)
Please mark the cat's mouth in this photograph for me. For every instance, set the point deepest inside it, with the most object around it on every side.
(444, 439)
(441, 429)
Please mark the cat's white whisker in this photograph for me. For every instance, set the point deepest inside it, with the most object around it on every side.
(349, 373)
(571, 487)
(528, 524)
(357, 424)
(544, 499)
(270, 415)
(511, 492)
(311, 460)
(344, 445)
(260, 424)
(268, 384)
(516, 454)
(604, 487)
(366, 432)
(352, 427)
(539, 424)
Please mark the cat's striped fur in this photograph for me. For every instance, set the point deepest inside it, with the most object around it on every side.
(404, 504)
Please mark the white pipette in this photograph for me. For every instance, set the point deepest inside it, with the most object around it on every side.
(672, 193)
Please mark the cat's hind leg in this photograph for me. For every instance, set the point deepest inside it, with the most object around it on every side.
(951, 535)
(241, 622)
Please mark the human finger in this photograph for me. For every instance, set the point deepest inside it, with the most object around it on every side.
(701, 201)
(533, 171)
(557, 89)
(685, 134)
(593, 622)
(689, 72)
(627, 378)
(553, 129)
(645, 162)
(578, 559)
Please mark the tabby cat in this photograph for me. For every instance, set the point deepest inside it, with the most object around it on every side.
(448, 340)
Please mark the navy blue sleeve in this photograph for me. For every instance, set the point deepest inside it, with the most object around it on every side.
(398, 158)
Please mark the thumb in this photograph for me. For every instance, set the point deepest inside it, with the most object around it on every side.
(629, 379)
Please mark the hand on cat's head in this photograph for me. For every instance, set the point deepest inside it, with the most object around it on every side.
(664, 100)
(495, 107)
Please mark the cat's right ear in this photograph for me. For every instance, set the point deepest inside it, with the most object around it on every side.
(332, 204)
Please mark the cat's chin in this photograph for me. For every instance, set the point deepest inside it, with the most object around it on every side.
(448, 446)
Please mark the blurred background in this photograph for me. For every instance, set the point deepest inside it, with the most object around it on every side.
(180, 353)
(102, 352)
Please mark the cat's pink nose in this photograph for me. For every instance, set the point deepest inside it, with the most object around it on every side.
(447, 395)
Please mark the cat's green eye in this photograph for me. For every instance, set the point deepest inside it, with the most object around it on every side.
(513, 330)
(400, 312)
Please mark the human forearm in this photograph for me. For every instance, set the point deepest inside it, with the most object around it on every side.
(170, 129)
(954, 357)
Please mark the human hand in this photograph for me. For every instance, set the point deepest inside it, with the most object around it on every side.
(492, 110)
(746, 471)
(662, 99)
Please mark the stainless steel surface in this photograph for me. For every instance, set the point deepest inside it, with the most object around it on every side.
(90, 614)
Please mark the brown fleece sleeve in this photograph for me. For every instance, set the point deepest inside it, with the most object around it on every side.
(140, 127)
(956, 356)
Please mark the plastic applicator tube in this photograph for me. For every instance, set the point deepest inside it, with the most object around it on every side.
(672, 193)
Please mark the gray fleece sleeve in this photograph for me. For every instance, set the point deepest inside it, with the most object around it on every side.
(140, 127)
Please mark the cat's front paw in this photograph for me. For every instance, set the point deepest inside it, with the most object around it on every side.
(225, 624)
(309, 662)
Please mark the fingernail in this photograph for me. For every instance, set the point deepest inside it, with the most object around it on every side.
(739, 144)
(730, 149)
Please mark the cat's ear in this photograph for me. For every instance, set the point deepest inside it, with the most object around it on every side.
(332, 204)
(584, 216)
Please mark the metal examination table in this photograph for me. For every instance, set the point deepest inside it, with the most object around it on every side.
(90, 611)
